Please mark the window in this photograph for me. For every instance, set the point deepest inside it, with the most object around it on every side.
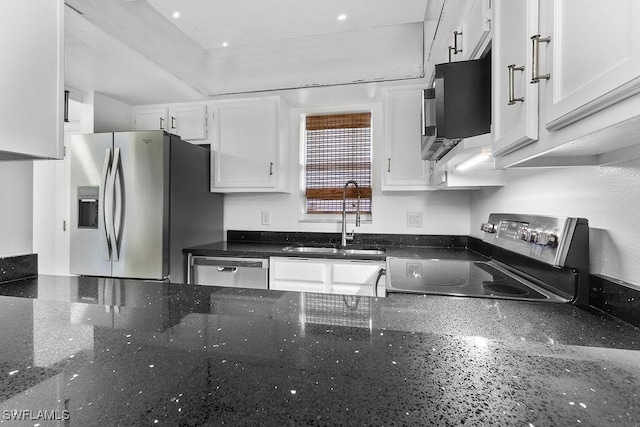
(338, 149)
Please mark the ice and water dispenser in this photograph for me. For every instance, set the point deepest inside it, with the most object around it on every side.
(88, 201)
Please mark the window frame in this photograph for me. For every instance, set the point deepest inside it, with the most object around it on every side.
(317, 217)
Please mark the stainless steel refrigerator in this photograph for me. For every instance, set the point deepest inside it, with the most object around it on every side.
(138, 199)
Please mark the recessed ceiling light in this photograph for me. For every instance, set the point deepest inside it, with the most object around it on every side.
(225, 44)
(342, 17)
(176, 14)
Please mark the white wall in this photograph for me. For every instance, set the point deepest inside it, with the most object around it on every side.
(111, 115)
(16, 208)
(608, 196)
(444, 212)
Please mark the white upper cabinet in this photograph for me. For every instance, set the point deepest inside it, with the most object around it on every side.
(246, 147)
(31, 79)
(566, 75)
(515, 99)
(188, 121)
(403, 167)
(149, 118)
(476, 28)
(592, 58)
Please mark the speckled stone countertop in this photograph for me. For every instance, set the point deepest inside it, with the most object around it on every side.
(267, 249)
(126, 352)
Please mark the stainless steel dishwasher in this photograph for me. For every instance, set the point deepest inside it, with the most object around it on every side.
(229, 272)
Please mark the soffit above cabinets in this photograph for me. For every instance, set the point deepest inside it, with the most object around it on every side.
(276, 48)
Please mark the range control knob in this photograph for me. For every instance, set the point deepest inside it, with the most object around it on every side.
(546, 239)
(487, 227)
(528, 235)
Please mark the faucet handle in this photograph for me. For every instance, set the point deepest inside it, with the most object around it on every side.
(351, 236)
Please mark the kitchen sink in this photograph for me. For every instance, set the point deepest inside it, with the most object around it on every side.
(362, 251)
(312, 249)
(333, 250)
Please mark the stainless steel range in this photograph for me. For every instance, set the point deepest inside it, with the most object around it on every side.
(527, 257)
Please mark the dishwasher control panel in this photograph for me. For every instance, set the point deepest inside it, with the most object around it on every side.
(228, 272)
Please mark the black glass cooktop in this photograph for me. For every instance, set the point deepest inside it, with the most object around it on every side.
(461, 278)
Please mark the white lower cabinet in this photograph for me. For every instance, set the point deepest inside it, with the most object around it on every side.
(328, 276)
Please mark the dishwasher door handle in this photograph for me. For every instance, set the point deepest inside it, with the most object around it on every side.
(227, 269)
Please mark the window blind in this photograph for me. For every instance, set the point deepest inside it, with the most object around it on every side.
(338, 149)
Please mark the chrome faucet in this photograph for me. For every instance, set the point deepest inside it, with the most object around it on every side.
(346, 236)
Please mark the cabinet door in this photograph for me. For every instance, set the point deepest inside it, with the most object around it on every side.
(476, 28)
(245, 145)
(31, 79)
(189, 122)
(593, 57)
(152, 119)
(515, 121)
(404, 168)
(298, 274)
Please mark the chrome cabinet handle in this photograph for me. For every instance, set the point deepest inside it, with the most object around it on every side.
(455, 42)
(535, 55)
(453, 50)
(512, 99)
(173, 122)
(161, 123)
(270, 168)
(106, 168)
(389, 164)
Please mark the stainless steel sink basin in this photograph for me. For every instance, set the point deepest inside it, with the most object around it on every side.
(362, 251)
(331, 250)
(312, 249)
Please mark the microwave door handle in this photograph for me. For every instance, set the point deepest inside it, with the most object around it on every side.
(106, 169)
(117, 203)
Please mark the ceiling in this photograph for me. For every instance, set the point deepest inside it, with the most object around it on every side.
(240, 22)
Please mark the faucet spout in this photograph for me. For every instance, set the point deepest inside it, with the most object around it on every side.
(346, 237)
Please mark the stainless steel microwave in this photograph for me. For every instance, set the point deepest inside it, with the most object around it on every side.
(457, 107)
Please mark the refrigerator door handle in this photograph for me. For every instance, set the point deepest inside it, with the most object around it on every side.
(106, 168)
(116, 204)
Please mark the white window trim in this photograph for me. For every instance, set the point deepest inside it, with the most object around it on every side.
(302, 145)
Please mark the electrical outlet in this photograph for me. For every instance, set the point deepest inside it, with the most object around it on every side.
(266, 218)
(414, 219)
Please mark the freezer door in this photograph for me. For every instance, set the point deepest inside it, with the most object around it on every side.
(141, 190)
(89, 157)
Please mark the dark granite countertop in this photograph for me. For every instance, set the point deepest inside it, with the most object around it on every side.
(267, 249)
(126, 352)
